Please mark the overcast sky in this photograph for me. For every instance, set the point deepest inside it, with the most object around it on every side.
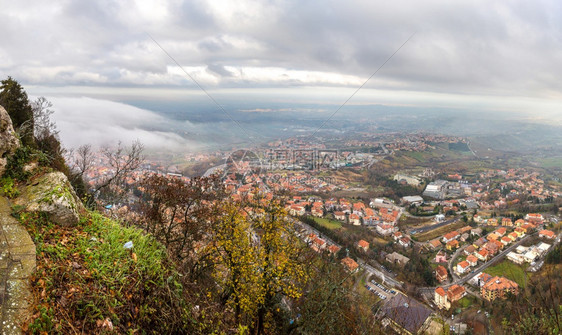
(492, 54)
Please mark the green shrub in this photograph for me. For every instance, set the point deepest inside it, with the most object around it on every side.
(24, 155)
(8, 187)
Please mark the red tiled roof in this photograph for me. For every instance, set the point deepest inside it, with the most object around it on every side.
(363, 244)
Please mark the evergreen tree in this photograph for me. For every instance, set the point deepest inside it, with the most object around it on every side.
(14, 99)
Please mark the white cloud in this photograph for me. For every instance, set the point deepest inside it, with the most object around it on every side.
(101, 122)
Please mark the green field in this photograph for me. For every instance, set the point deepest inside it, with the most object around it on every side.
(550, 162)
(509, 270)
(330, 224)
(467, 301)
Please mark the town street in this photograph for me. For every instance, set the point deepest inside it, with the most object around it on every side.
(383, 275)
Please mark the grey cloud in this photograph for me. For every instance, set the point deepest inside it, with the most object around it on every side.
(476, 47)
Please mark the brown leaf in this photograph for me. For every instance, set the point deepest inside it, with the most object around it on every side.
(134, 257)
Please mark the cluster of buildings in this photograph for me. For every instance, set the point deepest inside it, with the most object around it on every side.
(380, 214)
(445, 296)
(528, 254)
(495, 189)
(319, 245)
(485, 248)
(493, 287)
(441, 189)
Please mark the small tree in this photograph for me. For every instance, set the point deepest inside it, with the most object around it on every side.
(122, 162)
(80, 160)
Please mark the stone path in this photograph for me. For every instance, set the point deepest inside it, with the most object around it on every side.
(17, 263)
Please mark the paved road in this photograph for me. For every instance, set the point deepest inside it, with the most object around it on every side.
(383, 275)
(452, 261)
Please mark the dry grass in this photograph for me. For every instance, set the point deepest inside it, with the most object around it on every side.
(430, 235)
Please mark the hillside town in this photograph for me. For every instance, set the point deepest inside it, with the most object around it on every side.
(442, 248)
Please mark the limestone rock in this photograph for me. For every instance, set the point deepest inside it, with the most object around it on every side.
(52, 194)
(8, 139)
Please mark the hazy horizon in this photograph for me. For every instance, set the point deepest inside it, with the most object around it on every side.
(111, 68)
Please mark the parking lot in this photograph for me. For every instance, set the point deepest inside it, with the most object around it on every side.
(379, 290)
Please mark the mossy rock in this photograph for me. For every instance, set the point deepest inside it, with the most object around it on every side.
(53, 195)
(8, 139)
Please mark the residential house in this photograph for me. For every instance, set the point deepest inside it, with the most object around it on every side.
(481, 279)
(534, 218)
(385, 229)
(506, 240)
(370, 220)
(297, 210)
(472, 260)
(476, 232)
(492, 248)
(519, 222)
(397, 235)
(479, 243)
(404, 241)
(441, 273)
(543, 248)
(465, 229)
(478, 218)
(349, 264)
(455, 292)
(492, 236)
(519, 231)
(497, 243)
(531, 255)
(506, 222)
(368, 211)
(527, 227)
(482, 255)
(452, 245)
(354, 219)
(501, 231)
(317, 212)
(492, 222)
(310, 237)
(441, 299)
(318, 244)
(364, 245)
(516, 258)
(463, 267)
(333, 249)
(434, 244)
(498, 287)
(547, 234)
(450, 236)
(441, 257)
(339, 216)
(358, 207)
(469, 250)
(513, 236)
